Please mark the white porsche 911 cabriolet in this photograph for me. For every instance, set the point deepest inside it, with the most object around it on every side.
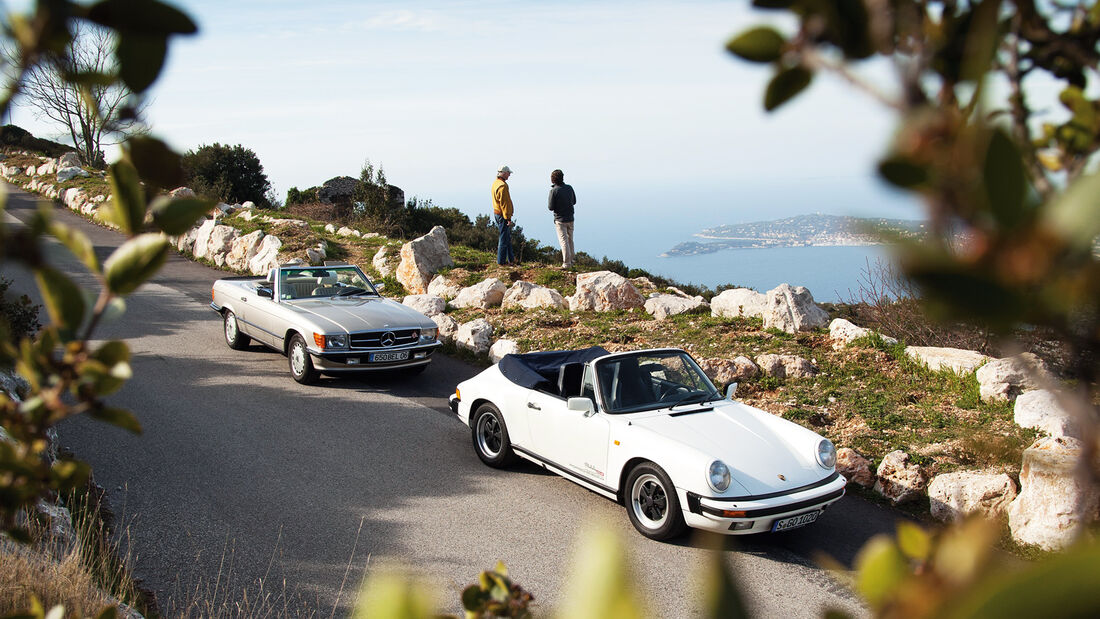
(650, 430)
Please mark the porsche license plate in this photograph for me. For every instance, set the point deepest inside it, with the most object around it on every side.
(795, 521)
(380, 357)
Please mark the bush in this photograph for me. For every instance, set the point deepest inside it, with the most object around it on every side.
(19, 317)
(294, 196)
(228, 173)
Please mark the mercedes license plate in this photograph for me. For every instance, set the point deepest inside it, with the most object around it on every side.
(795, 521)
(398, 355)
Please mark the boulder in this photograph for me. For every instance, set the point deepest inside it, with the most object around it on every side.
(68, 174)
(422, 257)
(316, 255)
(1004, 379)
(488, 293)
(501, 348)
(726, 371)
(786, 366)
(267, 255)
(202, 238)
(248, 204)
(843, 332)
(331, 229)
(219, 243)
(248, 215)
(382, 262)
(50, 167)
(243, 250)
(738, 302)
(643, 283)
(346, 231)
(442, 287)
(68, 160)
(1046, 513)
(474, 335)
(186, 241)
(528, 295)
(427, 304)
(792, 309)
(182, 192)
(899, 480)
(1041, 410)
(447, 326)
(957, 360)
(953, 496)
(854, 467)
(604, 291)
(665, 305)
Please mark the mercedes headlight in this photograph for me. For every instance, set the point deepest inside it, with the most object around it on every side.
(427, 336)
(336, 341)
(826, 453)
(718, 476)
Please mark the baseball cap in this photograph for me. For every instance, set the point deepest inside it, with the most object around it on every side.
(504, 168)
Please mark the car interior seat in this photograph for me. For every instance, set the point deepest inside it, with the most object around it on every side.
(569, 379)
(326, 286)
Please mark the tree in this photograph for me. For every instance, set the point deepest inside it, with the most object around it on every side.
(228, 173)
(95, 114)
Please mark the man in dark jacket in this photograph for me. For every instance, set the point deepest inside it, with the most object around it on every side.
(562, 200)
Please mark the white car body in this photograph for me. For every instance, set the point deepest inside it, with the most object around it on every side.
(777, 480)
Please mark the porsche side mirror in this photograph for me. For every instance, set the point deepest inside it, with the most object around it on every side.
(731, 391)
(581, 405)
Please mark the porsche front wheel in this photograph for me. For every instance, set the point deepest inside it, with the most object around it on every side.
(490, 437)
(652, 504)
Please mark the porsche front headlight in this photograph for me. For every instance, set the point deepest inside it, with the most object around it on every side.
(718, 476)
(826, 453)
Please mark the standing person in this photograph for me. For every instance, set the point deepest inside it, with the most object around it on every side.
(562, 200)
(502, 215)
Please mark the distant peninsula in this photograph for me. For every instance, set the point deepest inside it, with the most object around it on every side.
(816, 230)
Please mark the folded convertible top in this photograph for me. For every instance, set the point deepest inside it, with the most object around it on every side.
(539, 370)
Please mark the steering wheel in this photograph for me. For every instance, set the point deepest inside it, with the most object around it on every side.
(672, 391)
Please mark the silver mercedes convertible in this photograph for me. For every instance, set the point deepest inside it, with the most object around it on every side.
(326, 320)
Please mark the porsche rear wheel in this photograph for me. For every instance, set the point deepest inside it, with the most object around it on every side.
(652, 504)
(301, 364)
(233, 336)
(490, 437)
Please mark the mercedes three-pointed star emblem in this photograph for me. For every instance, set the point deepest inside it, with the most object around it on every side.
(388, 338)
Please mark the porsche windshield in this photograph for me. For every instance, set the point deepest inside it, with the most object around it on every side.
(316, 282)
(652, 380)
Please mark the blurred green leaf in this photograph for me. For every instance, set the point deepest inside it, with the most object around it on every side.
(90, 78)
(111, 612)
(63, 299)
(880, 568)
(156, 163)
(914, 541)
(77, 242)
(1076, 213)
(982, 40)
(391, 595)
(1005, 181)
(127, 207)
(760, 44)
(903, 173)
(773, 4)
(134, 262)
(722, 598)
(112, 352)
(140, 59)
(601, 586)
(177, 215)
(148, 16)
(473, 598)
(849, 24)
(117, 417)
(786, 84)
(70, 474)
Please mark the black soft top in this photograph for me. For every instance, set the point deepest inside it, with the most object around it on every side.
(539, 370)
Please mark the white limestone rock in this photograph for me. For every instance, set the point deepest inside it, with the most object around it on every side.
(786, 366)
(502, 347)
(937, 358)
(267, 255)
(448, 327)
(346, 231)
(843, 332)
(186, 241)
(243, 250)
(485, 294)
(68, 160)
(331, 229)
(1004, 379)
(182, 192)
(899, 480)
(427, 304)
(665, 305)
(68, 174)
(854, 467)
(474, 335)
(726, 371)
(383, 261)
(528, 295)
(50, 167)
(443, 287)
(792, 309)
(605, 291)
(737, 302)
(1046, 511)
(316, 255)
(1041, 410)
(220, 242)
(421, 258)
(953, 496)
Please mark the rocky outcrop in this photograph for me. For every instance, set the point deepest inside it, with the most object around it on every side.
(338, 190)
(266, 257)
(421, 258)
(854, 467)
(427, 304)
(1046, 513)
(1004, 379)
(68, 174)
(726, 371)
(843, 333)
(662, 306)
(529, 296)
(383, 262)
(448, 327)
(485, 294)
(1041, 410)
(474, 335)
(501, 348)
(899, 480)
(443, 287)
(957, 360)
(953, 496)
(316, 255)
(792, 309)
(243, 250)
(68, 160)
(738, 302)
(604, 291)
(786, 366)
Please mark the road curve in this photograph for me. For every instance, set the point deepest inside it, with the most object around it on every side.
(245, 484)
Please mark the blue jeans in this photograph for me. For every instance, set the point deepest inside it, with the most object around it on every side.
(504, 243)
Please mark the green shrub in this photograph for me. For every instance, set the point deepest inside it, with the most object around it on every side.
(228, 173)
(19, 317)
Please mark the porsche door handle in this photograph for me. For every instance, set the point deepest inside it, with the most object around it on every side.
(534, 406)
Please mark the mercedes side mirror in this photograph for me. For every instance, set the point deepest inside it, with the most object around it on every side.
(731, 391)
(380, 286)
(265, 293)
(581, 405)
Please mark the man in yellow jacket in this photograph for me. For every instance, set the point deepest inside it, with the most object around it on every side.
(502, 215)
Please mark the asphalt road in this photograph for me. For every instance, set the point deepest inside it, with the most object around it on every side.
(246, 487)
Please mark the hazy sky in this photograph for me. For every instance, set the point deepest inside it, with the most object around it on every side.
(637, 102)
